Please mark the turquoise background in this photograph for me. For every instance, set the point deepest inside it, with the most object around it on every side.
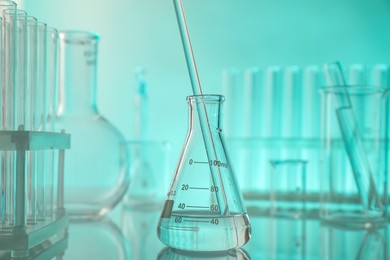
(229, 33)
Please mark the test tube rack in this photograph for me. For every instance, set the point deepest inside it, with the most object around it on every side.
(19, 236)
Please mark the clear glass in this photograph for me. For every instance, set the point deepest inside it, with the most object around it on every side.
(51, 70)
(288, 188)
(96, 171)
(352, 243)
(98, 240)
(354, 154)
(200, 207)
(31, 77)
(32, 30)
(40, 101)
(150, 164)
(51, 77)
(139, 227)
(171, 253)
(8, 61)
(19, 95)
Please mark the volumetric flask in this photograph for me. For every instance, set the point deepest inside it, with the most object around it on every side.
(204, 209)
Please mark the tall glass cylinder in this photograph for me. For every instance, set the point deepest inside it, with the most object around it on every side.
(51, 77)
(8, 11)
(96, 172)
(30, 101)
(49, 114)
(41, 70)
(32, 30)
(19, 95)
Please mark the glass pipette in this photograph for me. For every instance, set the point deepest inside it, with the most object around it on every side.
(353, 140)
(202, 113)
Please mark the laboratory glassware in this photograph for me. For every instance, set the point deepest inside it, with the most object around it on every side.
(171, 253)
(21, 233)
(201, 207)
(97, 239)
(351, 243)
(150, 164)
(288, 188)
(354, 142)
(139, 227)
(96, 167)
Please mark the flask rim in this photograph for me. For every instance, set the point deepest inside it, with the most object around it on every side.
(206, 98)
(79, 37)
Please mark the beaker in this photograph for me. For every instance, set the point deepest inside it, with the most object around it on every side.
(354, 144)
(204, 211)
(96, 168)
(288, 188)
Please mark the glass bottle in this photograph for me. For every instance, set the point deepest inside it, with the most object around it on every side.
(204, 211)
(96, 175)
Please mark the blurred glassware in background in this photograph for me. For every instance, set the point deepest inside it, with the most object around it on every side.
(354, 191)
(96, 168)
(264, 132)
(97, 239)
(139, 227)
(149, 160)
(171, 253)
(201, 206)
(288, 188)
(149, 174)
(289, 238)
(353, 243)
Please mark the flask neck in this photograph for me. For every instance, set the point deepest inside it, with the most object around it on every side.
(212, 104)
(77, 76)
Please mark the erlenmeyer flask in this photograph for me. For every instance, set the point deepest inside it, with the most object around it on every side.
(204, 209)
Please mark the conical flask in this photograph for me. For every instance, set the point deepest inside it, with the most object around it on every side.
(204, 209)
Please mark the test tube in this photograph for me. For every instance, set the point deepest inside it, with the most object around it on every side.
(292, 103)
(255, 86)
(357, 74)
(17, 23)
(20, 97)
(311, 102)
(254, 83)
(232, 87)
(41, 72)
(2, 175)
(274, 82)
(380, 75)
(310, 124)
(8, 12)
(51, 77)
(31, 85)
(41, 116)
(50, 102)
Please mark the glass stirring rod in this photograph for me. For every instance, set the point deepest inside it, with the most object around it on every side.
(202, 113)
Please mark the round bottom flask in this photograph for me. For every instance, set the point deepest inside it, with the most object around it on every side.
(96, 165)
(204, 209)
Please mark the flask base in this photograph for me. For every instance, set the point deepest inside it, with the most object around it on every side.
(191, 232)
